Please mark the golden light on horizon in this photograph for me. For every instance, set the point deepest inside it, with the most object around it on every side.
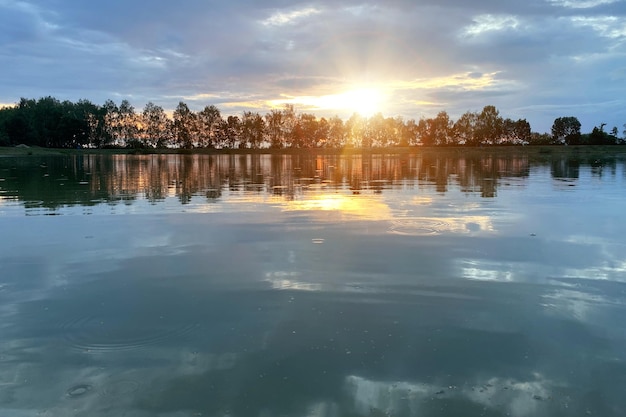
(365, 101)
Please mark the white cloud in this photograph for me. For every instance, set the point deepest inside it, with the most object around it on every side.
(289, 18)
(492, 23)
(581, 4)
(606, 26)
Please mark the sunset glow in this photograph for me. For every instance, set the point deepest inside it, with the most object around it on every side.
(406, 59)
(362, 100)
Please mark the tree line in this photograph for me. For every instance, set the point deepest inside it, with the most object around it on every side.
(48, 122)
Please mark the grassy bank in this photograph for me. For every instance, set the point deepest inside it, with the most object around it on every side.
(586, 151)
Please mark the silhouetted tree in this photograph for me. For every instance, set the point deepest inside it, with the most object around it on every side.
(232, 131)
(184, 126)
(489, 126)
(323, 130)
(515, 132)
(209, 125)
(275, 128)
(408, 132)
(566, 130)
(599, 137)
(437, 131)
(541, 139)
(355, 129)
(465, 129)
(336, 133)
(308, 126)
(156, 126)
(252, 129)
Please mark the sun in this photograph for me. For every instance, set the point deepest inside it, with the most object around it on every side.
(364, 101)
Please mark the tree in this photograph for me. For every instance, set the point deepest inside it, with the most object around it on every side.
(336, 133)
(5, 115)
(323, 129)
(515, 132)
(209, 124)
(275, 128)
(184, 126)
(437, 131)
(129, 122)
(232, 131)
(113, 123)
(465, 129)
(44, 116)
(355, 128)
(489, 125)
(599, 137)
(156, 126)
(290, 126)
(18, 130)
(566, 130)
(72, 128)
(408, 132)
(252, 129)
(442, 129)
(308, 128)
(375, 134)
(541, 139)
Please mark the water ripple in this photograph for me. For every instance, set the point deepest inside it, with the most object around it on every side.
(421, 226)
(92, 334)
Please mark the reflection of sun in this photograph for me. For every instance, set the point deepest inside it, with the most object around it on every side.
(361, 207)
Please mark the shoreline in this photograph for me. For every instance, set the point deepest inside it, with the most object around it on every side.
(545, 150)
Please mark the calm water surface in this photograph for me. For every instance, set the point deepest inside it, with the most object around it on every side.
(328, 286)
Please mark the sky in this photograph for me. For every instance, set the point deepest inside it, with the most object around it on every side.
(532, 59)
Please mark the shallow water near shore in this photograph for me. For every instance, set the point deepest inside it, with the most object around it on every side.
(322, 286)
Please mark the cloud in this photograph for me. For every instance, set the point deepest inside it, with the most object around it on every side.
(289, 18)
(545, 53)
(581, 4)
(491, 23)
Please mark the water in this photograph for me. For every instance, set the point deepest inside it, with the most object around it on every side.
(328, 286)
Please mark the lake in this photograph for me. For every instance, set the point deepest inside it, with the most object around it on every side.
(317, 286)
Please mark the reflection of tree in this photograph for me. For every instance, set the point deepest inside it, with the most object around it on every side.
(565, 168)
(53, 182)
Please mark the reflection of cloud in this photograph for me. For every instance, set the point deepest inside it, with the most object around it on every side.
(197, 363)
(281, 280)
(578, 304)
(422, 200)
(479, 270)
(420, 226)
(521, 398)
(385, 397)
(518, 398)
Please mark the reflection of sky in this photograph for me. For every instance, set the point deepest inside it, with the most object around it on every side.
(407, 302)
(521, 398)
